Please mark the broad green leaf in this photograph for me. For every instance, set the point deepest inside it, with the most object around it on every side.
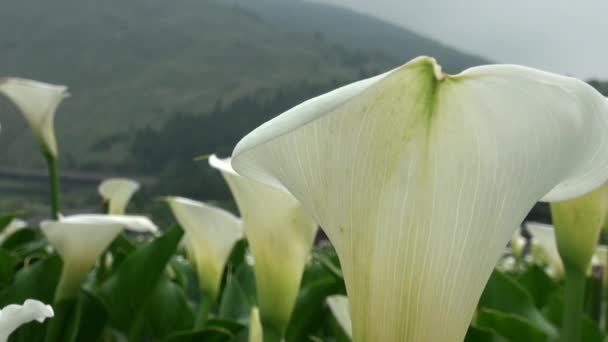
(553, 311)
(538, 284)
(514, 328)
(167, 309)
(502, 293)
(239, 295)
(5, 220)
(206, 335)
(478, 334)
(126, 292)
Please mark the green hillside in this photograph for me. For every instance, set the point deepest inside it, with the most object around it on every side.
(134, 64)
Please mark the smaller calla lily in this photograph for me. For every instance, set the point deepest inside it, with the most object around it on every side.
(544, 248)
(117, 192)
(80, 239)
(38, 102)
(280, 234)
(338, 304)
(256, 333)
(15, 225)
(210, 236)
(13, 316)
(517, 245)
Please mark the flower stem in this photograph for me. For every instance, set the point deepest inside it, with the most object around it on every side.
(270, 334)
(203, 312)
(51, 162)
(573, 305)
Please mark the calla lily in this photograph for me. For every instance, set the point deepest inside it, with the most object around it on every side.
(578, 223)
(517, 244)
(117, 192)
(256, 333)
(80, 240)
(38, 102)
(210, 236)
(338, 304)
(280, 235)
(13, 316)
(544, 248)
(15, 225)
(419, 179)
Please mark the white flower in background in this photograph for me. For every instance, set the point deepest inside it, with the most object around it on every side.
(80, 240)
(419, 179)
(117, 192)
(544, 248)
(256, 333)
(517, 244)
(13, 316)
(15, 225)
(338, 304)
(210, 235)
(280, 234)
(38, 102)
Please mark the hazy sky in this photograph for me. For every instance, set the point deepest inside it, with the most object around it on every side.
(565, 36)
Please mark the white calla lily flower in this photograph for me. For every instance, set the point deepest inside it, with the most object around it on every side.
(338, 304)
(544, 248)
(117, 192)
(280, 234)
(15, 225)
(80, 240)
(210, 235)
(38, 102)
(414, 161)
(13, 316)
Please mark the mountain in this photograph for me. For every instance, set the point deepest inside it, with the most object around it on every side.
(134, 64)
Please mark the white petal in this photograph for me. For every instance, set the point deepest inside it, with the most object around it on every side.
(280, 235)
(140, 224)
(210, 235)
(419, 162)
(13, 316)
(544, 247)
(117, 192)
(38, 102)
(338, 304)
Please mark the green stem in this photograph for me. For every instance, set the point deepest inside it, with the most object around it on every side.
(271, 334)
(136, 331)
(573, 305)
(58, 326)
(51, 162)
(203, 312)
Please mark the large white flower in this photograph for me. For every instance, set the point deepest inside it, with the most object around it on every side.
(80, 239)
(13, 316)
(419, 179)
(117, 192)
(280, 235)
(38, 102)
(210, 235)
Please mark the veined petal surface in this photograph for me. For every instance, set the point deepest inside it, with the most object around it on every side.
(117, 192)
(419, 179)
(38, 102)
(13, 316)
(210, 236)
(280, 234)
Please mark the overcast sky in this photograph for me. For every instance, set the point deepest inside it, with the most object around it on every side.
(564, 36)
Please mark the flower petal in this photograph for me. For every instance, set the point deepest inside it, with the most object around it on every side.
(210, 235)
(117, 192)
(140, 224)
(338, 304)
(419, 161)
(256, 333)
(13, 316)
(280, 235)
(38, 102)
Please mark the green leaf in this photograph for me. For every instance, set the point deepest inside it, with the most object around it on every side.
(478, 334)
(502, 293)
(127, 290)
(24, 243)
(310, 310)
(239, 294)
(554, 312)
(510, 326)
(92, 317)
(168, 310)
(538, 284)
(211, 334)
(5, 220)
(7, 268)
